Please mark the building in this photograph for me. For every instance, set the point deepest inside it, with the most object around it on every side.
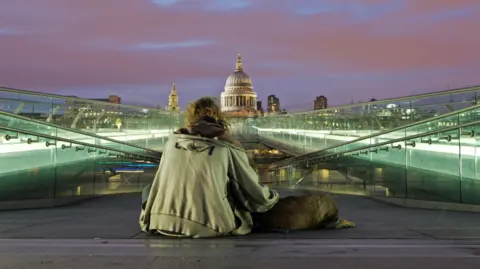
(74, 106)
(273, 105)
(238, 98)
(93, 115)
(114, 99)
(173, 100)
(320, 102)
(259, 107)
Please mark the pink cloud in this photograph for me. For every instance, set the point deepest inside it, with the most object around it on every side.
(84, 43)
(425, 7)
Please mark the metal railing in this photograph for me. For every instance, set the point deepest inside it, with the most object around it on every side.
(396, 99)
(72, 143)
(92, 135)
(392, 100)
(76, 99)
(344, 154)
(293, 159)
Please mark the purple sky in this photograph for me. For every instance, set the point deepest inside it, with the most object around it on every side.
(296, 49)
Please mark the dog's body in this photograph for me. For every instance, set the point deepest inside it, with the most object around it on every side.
(311, 211)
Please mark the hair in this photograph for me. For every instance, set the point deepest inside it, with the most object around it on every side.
(205, 106)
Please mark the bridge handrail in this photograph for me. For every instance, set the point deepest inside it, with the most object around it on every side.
(385, 132)
(277, 166)
(77, 99)
(77, 131)
(395, 99)
(73, 142)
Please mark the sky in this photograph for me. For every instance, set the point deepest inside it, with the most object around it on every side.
(296, 49)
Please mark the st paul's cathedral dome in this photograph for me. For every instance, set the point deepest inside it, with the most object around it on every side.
(238, 94)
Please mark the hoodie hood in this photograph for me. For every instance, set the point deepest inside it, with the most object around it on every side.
(198, 143)
(207, 127)
(202, 136)
(194, 144)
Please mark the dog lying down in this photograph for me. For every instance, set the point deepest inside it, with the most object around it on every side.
(307, 212)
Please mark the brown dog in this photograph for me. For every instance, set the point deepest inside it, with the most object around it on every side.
(306, 212)
(310, 211)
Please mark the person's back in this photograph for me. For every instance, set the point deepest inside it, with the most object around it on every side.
(203, 188)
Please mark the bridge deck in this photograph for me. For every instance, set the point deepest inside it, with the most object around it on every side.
(104, 233)
(116, 217)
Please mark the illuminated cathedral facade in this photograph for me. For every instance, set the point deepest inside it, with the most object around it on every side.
(238, 98)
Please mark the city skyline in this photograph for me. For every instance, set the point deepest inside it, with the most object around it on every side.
(296, 50)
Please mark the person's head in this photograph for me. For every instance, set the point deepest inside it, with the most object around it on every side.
(201, 108)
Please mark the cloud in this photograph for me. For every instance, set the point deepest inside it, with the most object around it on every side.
(165, 3)
(228, 5)
(7, 31)
(358, 10)
(173, 45)
(83, 45)
(206, 5)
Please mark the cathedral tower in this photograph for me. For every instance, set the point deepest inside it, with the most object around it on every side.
(173, 100)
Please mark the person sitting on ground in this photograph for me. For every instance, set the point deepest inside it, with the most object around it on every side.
(204, 186)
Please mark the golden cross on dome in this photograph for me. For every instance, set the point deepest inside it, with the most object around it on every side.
(239, 66)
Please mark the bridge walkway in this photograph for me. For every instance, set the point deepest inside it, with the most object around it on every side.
(104, 233)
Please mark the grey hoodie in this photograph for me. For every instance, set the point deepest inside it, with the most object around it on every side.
(204, 188)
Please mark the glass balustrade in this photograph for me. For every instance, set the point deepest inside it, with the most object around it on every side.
(284, 178)
(111, 140)
(36, 165)
(142, 126)
(375, 116)
(306, 141)
(306, 129)
(437, 165)
(355, 120)
(337, 130)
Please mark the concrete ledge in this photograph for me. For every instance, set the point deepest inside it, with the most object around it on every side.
(424, 204)
(42, 203)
